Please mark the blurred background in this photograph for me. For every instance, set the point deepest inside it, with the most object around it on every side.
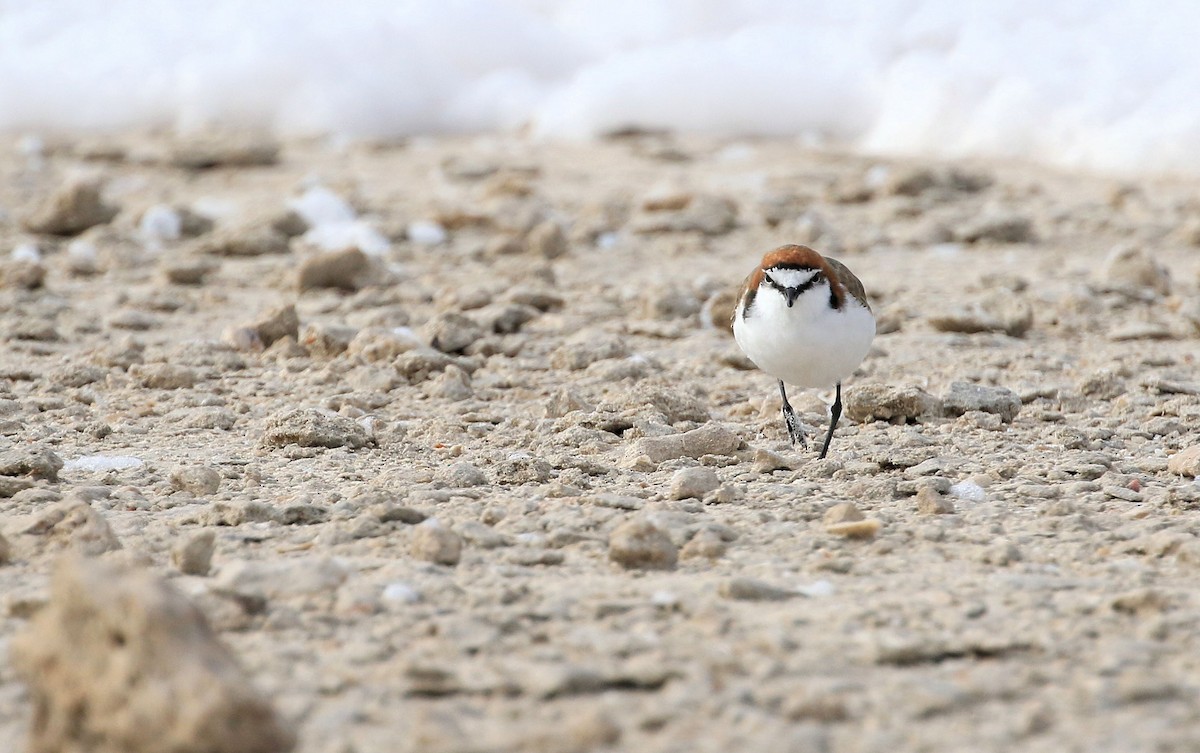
(1087, 84)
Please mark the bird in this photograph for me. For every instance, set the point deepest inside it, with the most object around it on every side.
(804, 319)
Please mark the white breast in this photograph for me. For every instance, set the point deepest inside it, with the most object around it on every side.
(809, 344)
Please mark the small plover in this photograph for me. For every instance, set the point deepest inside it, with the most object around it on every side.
(804, 319)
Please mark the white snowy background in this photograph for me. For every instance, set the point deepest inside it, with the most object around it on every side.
(1094, 84)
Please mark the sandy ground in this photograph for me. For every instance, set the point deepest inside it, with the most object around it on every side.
(1032, 584)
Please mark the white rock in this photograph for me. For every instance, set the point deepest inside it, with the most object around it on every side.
(426, 233)
(102, 463)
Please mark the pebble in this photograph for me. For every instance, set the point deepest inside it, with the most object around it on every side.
(872, 402)
(1185, 462)
(749, 589)
(104, 689)
(193, 555)
(464, 474)
(209, 150)
(326, 340)
(188, 271)
(451, 332)
(766, 461)
(639, 544)
(688, 483)
(32, 462)
(547, 240)
(246, 241)
(999, 312)
(308, 427)
(996, 226)
(76, 206)
(857, 529)
(199, 480)
(483, 536)
(963, 397)
(277, 324)
(22, 273)
(452, 384)
(932, 502)
(433, 542)
(348, 269)
(1134, 267)
(164, 376)
(701, 213)
(710, 439)
(280, 578)
(842, 512)
(705, 543)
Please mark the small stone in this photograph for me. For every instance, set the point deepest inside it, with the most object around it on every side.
(119, 662)
(308, 427)
(484, 536)
(997, 226)
(248, 240)
(684, 213)
(858, 529)
(22, 273)
(323, 340)
(873, 402)
(10, 486)
(209, 150)
(766, 461)
(452, 384)
(547, 240)
(236, 513)
(193, 556)
(199, 480)
(278, 323)
(688, 483)
(280, 579)
(521, 468)
(996, 312)
(464, 474)
(705, 543)
(639, 544)
(748, 589)
(188, 271)
(583, 352)
(73, 208)
(1185, 462)
(565, 401)
(75, 524)
(378, 344)
(1102, 384)
(710, 439)
(452, 332)
(1132, 267)
(348, 269)
(963, 397)
(164, 376)
(33, 462)
(841, 513)
(435, 543)
(932, 502)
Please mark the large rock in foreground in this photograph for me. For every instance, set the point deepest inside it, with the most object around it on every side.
(120, 662)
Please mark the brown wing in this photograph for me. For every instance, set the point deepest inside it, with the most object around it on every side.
(851, 283)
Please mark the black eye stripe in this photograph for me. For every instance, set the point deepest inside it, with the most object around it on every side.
(806, 286)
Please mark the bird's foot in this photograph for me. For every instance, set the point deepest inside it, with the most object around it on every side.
(794, 429)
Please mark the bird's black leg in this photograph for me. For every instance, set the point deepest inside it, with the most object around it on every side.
(834, 414)
(795, 431)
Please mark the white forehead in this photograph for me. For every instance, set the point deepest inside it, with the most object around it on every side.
(790, 278)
